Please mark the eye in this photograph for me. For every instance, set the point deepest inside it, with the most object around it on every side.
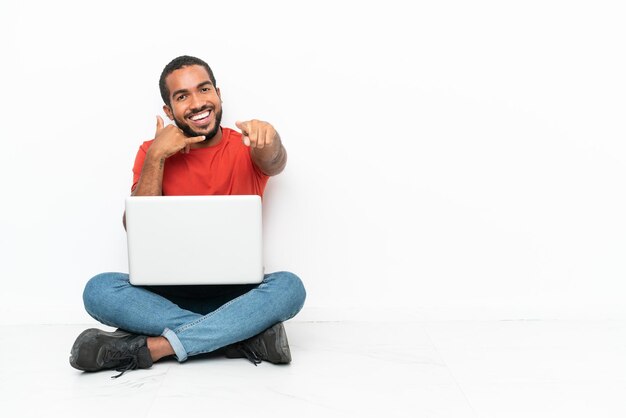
(205, 89)
(180, 97)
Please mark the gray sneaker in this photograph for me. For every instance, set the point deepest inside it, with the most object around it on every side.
(95, 350)
(270, 345)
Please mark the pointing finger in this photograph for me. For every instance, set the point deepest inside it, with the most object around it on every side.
(243, 126)
(245, 131)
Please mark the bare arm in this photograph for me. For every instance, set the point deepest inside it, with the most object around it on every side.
(167, 141)
(150, 181)
(266, 148)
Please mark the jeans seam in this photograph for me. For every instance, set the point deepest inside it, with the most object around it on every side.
(185, 327)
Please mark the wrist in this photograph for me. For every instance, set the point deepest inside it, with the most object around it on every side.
(155, 156)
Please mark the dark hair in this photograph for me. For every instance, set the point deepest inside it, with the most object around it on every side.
(175, 64)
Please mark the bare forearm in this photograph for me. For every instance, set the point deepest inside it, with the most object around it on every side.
(266, 148)
(151, 179)
(168, 140)
(271, 160)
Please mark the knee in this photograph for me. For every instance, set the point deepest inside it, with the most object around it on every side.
(292, 288)
(98, 289)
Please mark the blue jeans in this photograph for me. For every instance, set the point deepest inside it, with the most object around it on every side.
(194, 319)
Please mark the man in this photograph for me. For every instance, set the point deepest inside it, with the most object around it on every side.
(196, 156)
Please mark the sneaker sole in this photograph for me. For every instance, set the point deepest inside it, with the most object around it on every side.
(75, 353)
(281, 345)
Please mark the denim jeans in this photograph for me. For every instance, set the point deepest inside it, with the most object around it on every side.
(194, 319)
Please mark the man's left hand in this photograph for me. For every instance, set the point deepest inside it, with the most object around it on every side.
(257, 133)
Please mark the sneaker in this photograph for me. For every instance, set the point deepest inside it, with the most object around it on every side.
(96, 350)
(270, 345)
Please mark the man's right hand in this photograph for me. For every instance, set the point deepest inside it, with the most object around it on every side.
(169, 140)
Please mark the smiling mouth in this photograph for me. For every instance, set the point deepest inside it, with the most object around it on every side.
(201, 119)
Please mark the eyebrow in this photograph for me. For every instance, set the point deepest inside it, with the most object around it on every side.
(204, 83)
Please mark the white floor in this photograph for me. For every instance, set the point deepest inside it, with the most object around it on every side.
(341, 369)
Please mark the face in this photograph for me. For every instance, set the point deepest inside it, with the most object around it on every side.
(195, 103)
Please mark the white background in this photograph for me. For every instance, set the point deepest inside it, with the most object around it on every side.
(447, 159)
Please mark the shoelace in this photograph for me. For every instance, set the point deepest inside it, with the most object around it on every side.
(125, 359)
(251, 354)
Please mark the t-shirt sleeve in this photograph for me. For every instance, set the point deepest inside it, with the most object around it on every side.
(139, 159)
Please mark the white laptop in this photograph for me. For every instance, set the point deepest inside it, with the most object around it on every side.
(184, 240)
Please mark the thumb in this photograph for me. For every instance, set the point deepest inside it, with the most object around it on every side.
(159, 124)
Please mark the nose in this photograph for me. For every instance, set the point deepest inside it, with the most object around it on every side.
(195, 102)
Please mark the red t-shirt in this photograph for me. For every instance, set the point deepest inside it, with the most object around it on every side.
(222, 169)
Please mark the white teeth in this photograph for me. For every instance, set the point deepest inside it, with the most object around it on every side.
(201, 116)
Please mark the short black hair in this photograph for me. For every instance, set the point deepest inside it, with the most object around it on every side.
(177, 63)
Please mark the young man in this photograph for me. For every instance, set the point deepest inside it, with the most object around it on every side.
(196, 156)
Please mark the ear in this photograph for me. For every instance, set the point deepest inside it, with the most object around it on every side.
(168, 112)
(219, 93)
